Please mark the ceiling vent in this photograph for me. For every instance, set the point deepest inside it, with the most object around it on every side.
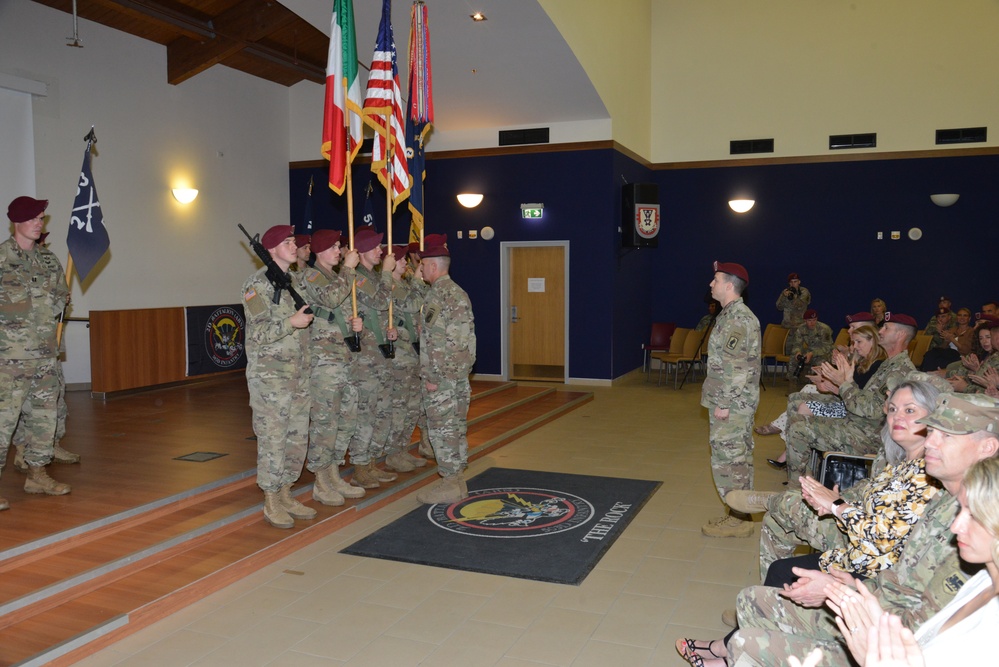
(840, 141)
(962, 135)
(747, 146)
(534, 135)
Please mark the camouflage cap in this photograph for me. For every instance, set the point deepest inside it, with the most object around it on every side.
(964, 414)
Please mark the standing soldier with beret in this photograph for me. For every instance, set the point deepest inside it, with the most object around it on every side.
(277, 374)
(793, 301)
(334, 396)
(731, 393)
(447, 353)
(33, 294)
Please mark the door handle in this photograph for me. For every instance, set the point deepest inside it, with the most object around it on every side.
(513, 315)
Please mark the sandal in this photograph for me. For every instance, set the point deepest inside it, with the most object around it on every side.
(769, 429)
(687, 649)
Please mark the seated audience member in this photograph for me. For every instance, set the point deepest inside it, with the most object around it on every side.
(775, 623)
(955, 341)
(961, 633)
(811, 345)
(857, 432)
(990, 308)
(878, 310)
(868, 355)
(943, 303)
(709, 319)
(975, 382)
(980, 351)
(870, 529)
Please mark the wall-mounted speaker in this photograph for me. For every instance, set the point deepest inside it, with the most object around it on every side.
(640, 219)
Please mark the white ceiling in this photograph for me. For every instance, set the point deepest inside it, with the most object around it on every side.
(513, 70)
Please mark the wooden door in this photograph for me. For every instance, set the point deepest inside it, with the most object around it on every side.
(537, 313)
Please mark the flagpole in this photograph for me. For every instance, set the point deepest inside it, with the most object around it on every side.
(388, 203)
(348, 186)
(90, 138)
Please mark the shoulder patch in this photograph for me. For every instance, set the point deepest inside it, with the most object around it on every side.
(253, 303)
(430, 313)
(733, 342)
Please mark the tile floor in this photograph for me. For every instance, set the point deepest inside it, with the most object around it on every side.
(661, 580)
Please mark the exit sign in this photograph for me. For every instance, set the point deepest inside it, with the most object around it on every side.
(531, 211)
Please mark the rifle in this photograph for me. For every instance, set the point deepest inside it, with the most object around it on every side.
(278, 278)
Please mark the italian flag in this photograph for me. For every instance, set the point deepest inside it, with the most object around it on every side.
(343, 96)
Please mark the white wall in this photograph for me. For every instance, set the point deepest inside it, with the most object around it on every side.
(223, 131)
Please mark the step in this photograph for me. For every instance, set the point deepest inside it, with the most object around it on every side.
(71, 593)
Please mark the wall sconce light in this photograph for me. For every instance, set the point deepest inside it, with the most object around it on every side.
(185, 195)
(469, 200)
(741, 205)
(945, 200)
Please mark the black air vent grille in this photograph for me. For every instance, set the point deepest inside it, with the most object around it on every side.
(746, 146)
(962, 135)
(534, 135)
(840, 141)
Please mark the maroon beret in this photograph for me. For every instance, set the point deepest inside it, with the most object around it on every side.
(400, 252)
(302, 240)
(737, 270)
(899, 318)
(991, 321)
(810, 313)
(413, 248)
(945, 298)
(859, 317)
(276, 235)
(941, 310)
(367, 239)
(792, 276)
(23, 209)
(324, 239)
(432, 240)
(435, 251)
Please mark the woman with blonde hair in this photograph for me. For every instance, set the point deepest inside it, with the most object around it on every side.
(878, 310)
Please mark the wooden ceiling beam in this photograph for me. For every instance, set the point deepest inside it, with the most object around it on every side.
(240, 26)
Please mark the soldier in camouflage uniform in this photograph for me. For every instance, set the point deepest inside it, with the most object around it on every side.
(33, 294)
(857, 433)
(277, 375)
(404, 388)
(334, 396)
(731, 393)
(447, 353)
(793, 301)
(371, 368)
(962, 431)
(813, 342)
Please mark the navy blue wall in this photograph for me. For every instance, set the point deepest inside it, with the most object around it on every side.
(819, 220)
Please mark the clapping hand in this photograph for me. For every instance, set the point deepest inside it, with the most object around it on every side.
(971, 361)
(818, 496)
(857, 610)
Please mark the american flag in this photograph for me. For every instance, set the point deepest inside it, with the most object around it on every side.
(382, 101)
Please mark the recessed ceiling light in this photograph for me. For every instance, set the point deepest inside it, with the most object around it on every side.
(479, 16)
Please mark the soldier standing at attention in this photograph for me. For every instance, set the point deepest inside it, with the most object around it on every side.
(731, 393)
(334, 396)
(793, 301)
(447, 353)
(33, 294)
(277, 374)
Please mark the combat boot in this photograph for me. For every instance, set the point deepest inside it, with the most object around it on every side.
(274, 514)
(728, 526)
(399, 463)
(447, 490)
(363, 477)
(344, 488)
(323, 491)
(417, 461)
(749, 501)
(426, 449)
(381, 475)
(294, 508)
(39, 482)
(19, 464)
(62, 456)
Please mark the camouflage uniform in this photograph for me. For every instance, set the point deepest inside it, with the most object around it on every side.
(858, 432)
(992, 361)
(405, 391)
(926, 577)
(818, 341)
(447, 353)
(33, 293)
(794, 312)
(371, 371)
(334, 396)
(733, 382)
(277, 374)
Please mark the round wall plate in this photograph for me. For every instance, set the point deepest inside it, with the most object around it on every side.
(915, 233)
(487, 233)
